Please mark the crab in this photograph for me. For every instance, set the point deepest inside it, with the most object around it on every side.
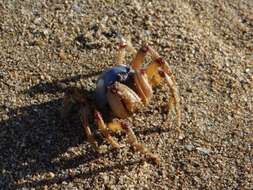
(120, 91)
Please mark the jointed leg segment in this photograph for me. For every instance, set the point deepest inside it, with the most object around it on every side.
(90, 137)
(123, 45)
(157, 71)
(146, 78)
(104, 130)
(175, 95)
(132, 140)
(73, 97)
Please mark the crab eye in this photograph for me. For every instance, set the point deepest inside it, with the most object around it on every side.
(122, 77)
(118, 77)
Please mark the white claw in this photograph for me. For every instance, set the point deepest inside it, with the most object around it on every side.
(122, 100)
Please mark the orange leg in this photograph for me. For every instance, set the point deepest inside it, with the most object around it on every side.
(139, 58)
(155, 76)
(73, 97)
(123, 45)
(89, 134)
(132, 140)
(157, 61)
(176, 99)
(121, 53)
(104, 130)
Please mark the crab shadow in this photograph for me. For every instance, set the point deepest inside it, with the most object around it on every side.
(33, 140)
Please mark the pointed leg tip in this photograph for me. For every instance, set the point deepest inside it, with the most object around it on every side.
(156, 161)
(153, 159)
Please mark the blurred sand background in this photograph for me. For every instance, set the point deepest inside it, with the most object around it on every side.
(46, 46)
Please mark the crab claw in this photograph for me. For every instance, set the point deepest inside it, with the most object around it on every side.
(122, 100)
(143, 87)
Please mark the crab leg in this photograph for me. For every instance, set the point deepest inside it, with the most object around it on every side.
(74, 97)
(122, 50)
(132, 140)
(104, 130)
(159, 70)
(89, 134)
(71, 98)
(156, 74)
(175, 95)
(139, 58)
(116, 126)
(69, 101)
(156, 63)
(143, 86)
(152, 73)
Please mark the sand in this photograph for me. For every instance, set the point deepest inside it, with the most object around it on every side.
(48, 46)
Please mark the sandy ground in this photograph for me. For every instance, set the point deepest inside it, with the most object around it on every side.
(48, 45)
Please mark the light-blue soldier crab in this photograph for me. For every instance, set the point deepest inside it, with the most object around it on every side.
(121, 90)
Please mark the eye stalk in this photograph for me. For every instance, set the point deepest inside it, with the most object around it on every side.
(122, 77)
